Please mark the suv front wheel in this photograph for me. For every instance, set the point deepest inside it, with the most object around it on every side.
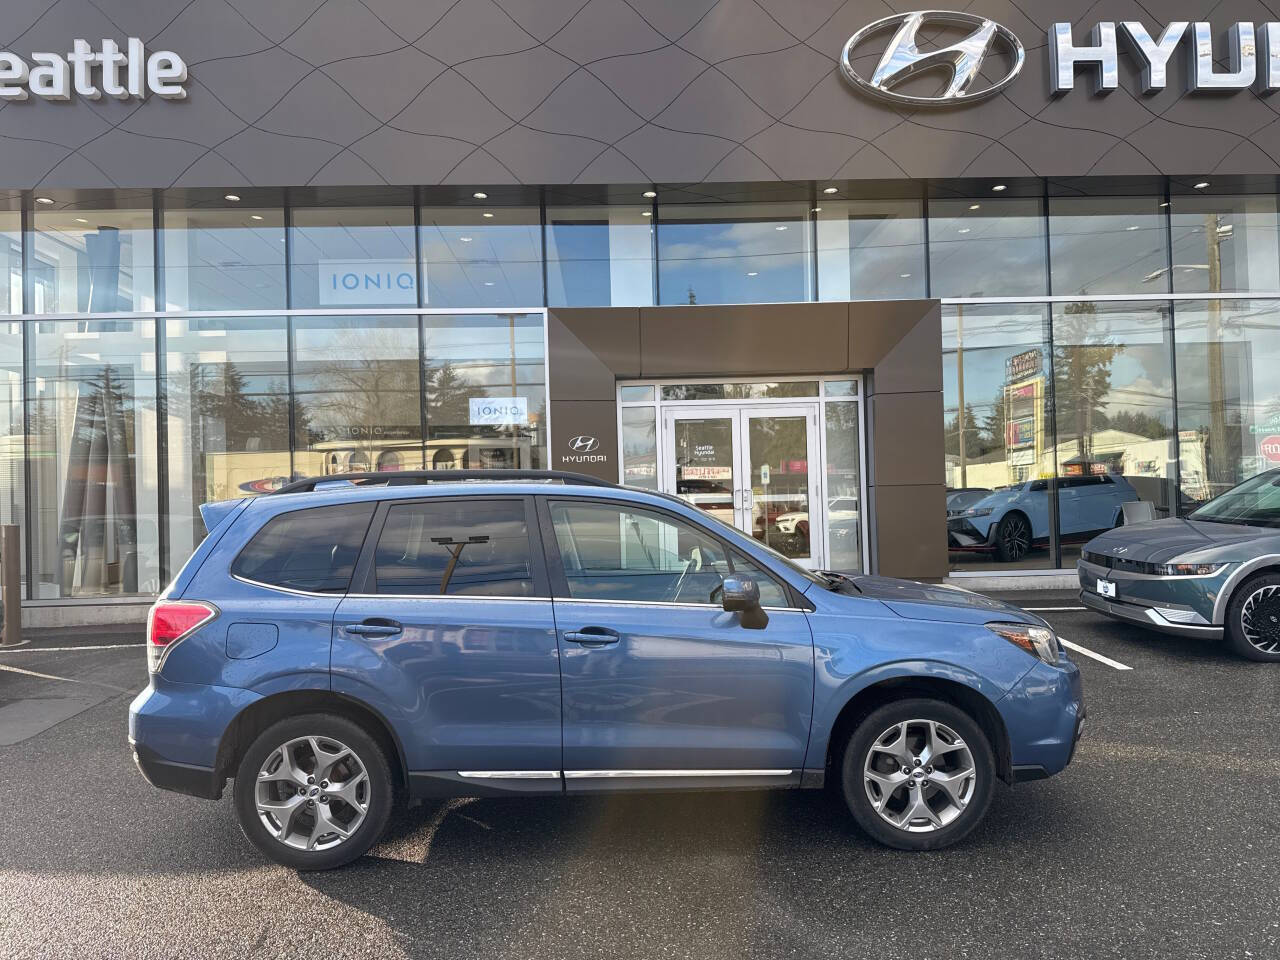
(918, 774)
(313, 792)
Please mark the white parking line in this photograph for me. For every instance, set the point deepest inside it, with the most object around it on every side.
(50, 676)
(1115, 664)
(104, 646)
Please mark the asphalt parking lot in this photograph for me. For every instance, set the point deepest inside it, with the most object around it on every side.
(1159, 841)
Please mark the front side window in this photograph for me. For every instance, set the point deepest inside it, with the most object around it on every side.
(455, 548)
(313, 550)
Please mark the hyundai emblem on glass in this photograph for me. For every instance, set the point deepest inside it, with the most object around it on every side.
(583, 444)
(904, 59)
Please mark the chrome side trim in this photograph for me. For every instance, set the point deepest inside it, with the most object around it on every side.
(633, 774)
(510, 774)
(440, 596)
(666, 604)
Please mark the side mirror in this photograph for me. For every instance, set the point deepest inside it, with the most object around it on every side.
(742, 596)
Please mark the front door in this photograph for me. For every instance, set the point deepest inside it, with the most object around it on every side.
(753, 467)
(660, 686)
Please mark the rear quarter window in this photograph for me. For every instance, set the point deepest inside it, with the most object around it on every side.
(313, 550)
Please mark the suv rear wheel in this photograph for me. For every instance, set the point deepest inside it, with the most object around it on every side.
(918, 774)
(313, 792)
(1253, 618)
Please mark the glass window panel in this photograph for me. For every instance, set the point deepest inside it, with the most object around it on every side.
(998, 428)
(1108, 245)
(12, 435)
(356, 395)
(312, 550)
(477, 357)
(95, 468)
(600, 256)
(987, 247)
(10, 258)
(640, 447)
(734, 253)
(840, 388)
(87, 258)
(871, 250)
(619, 553)
(1225, 244)
(772, 593)
(844, 487)
(482, 256)
(456, 548)
(1228, 357)
(740, 391)
(223, 255)
(228, 416)
(1113, 397)
(633, 394)
(354, 256)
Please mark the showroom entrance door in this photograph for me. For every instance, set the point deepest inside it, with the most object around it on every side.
(752, 467)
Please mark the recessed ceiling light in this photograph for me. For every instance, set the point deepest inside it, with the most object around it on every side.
(1164, 204)
(830, 190)
(81, 220)
(964, 230)
(480, 195)
(646, 213)
(1133, 227)
(44, 199)
(753, 273)
(649, 194)
(1203, 184)
(487, 215)
(465, 239)
(781, 226)
(975, 206)
(905, 276)
(999, 188)
(488, 283)
(233, 197)
(816, 210)
(255, 216)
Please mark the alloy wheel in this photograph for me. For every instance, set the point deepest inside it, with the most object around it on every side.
(312, 793)
(1260, 619)
(1016, 537)
(919, 776)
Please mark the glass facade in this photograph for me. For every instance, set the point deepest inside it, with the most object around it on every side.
(159, 349)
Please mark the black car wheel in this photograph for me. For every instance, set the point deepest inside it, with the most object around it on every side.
(1253, 619)
(1013, 537)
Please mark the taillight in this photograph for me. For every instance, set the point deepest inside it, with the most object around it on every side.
(168, 622)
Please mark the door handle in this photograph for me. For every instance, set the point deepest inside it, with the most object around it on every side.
(375, 628)
(592, 636)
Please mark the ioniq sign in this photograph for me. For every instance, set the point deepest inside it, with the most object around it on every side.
(976, 58)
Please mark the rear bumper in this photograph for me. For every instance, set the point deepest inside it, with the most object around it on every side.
(185, 778)
(1149, 617)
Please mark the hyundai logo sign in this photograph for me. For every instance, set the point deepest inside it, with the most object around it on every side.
(903, 58)
(584, 444)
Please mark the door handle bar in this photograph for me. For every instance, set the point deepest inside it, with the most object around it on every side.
(592, 637)
(390, 629)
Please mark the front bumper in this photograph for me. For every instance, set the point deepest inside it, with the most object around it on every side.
(963, 535)
(1151, 617)
(1044, 714)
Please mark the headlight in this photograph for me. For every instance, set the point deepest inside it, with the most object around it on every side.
(1186, 569)
(986, 512)
(1038, 641)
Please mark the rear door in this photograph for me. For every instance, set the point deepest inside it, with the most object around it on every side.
(449, 630)
(662, 687)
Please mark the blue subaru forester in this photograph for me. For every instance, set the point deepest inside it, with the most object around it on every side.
(350, 640)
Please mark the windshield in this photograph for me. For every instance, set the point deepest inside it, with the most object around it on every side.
(1255, 502)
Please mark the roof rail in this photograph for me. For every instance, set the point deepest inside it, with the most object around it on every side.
(404, 478)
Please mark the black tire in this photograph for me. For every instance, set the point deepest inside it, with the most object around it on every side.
(1261, 619)
(1013, 537)
(379, 796)
(855, 789)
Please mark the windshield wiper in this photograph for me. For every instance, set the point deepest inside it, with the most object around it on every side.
(837, 580)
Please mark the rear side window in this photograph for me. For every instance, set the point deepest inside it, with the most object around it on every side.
(313, 550)
(457, 548)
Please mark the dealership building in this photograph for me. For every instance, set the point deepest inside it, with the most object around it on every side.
(833, 272)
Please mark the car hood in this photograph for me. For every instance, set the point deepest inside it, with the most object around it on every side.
(934, 601)
(1161, 541)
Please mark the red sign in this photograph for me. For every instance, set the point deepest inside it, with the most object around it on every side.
(1270, 448)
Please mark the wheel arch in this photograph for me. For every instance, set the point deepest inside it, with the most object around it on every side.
(260, 714)
(959, 695)
(1268, 564)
